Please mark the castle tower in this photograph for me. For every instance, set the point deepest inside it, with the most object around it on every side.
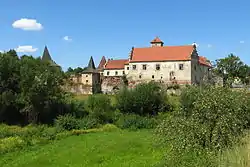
(157, 42)
(90, 79)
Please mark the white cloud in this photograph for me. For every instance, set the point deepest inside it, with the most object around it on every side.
(242, 42)
(27, 24)
(209, 45)
(1, 51)
(67, 38)
(26, 49)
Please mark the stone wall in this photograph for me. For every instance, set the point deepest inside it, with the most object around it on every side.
(111, 84)
(80, 89)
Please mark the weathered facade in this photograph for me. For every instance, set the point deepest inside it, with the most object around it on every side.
(88, 82)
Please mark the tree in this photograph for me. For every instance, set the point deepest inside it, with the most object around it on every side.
(145, 99)
(40, 86)
(12, 52)
(9, 87)
(231, 67)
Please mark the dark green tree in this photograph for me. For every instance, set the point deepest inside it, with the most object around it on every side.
(40, 87)
(231, 67)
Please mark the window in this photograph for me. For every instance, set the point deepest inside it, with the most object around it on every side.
(144, 67)
(140, 76)
(116, 73)
(134, 67)
(194, 67)
(181, 67)
(108, 73)
(158, 67)
(153, 76)
(87, 81)
(127, 68)
(123, 72)
(86, 75)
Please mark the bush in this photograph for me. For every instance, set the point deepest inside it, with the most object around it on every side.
(89, 123)
(67, 122)
(99, 107)
(210, 119)
(145, 99)
(134, 122)
(76, 108)
(110, 128)
(10, 144)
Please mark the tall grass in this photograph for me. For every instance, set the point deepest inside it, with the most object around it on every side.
(238, 156)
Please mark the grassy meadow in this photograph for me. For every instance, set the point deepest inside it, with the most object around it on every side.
(106, 149)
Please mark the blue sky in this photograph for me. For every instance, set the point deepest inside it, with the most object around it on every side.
(110, 28)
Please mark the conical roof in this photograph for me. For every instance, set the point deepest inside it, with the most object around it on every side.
(102, 63)
(91, 66)
(91, 63)
(46, 56)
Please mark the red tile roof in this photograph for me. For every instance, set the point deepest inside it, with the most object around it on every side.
(127, 62)
(156, 40)
(102, 63)
(164, 53)
(203, 61)
(116, 64)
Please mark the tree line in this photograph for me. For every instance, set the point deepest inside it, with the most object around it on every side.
(29, 88)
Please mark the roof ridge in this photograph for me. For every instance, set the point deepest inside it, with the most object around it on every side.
(164, 46)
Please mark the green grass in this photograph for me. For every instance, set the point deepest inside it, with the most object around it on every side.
(110, 149)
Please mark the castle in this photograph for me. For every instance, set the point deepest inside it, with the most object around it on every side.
(165, 64)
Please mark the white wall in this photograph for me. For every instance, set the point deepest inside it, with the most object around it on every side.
(163, 73)
(113, 72)
(126, 69)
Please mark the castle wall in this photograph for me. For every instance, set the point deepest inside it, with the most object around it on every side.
(111, 84)
(168, 71)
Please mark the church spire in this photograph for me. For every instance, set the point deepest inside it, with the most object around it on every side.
(46, 56)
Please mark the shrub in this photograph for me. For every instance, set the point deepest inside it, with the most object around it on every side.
(76, 108)
(62, 135)
(10, 144)
(134, 122)
(210, 119)
(99, 107)
(89, 123)
(67, 122)
(110, 128)
(173, 86)
(145, 99)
